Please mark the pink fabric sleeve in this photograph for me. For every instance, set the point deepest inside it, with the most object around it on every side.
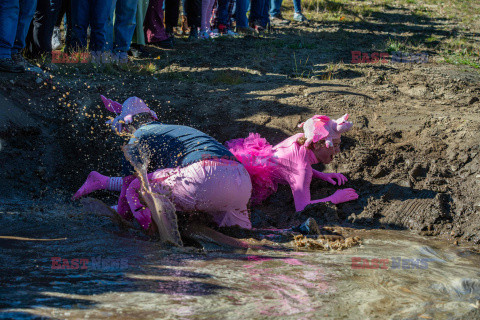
(299, 160)
(318, 174)
(123, 207)
(144, 217)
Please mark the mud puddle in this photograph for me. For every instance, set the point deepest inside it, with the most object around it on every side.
(392, 274)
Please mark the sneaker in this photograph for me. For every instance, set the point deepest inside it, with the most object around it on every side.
(299, 17)
(278, 20)
(20, 60)
(8, 65)
(56, 39)
(138, 51)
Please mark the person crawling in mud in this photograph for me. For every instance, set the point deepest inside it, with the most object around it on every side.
(198, 174)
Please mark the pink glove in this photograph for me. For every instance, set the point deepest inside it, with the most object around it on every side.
(343, 195)
(341, 179)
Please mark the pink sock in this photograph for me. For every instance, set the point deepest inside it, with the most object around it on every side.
(95, 181)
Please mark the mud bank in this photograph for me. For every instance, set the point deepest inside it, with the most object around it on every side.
(413, 155)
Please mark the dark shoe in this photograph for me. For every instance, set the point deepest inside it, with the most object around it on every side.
(164, 44)
(279, 21)
(138, 51)
(193, 34)
(8, 65)
(257, 27)
(20, 60)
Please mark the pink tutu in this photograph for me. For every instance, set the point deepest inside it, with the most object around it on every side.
(256, 155)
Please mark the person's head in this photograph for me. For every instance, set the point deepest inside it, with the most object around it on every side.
(322, 136)
(132, 114)
(322, 153)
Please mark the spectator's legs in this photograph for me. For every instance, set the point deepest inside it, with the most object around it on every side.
(99, 12)
(27, 9)
(297, 6)
(154, 30)
(222, 12)
(80, 11)
(125, 21)
(39, 39)
(241, 9)
(172, 10)
(207, 6)
(275, 7)
(193, 10)
(109, 28)
(139, 34)
(9, 14)
(264, 20)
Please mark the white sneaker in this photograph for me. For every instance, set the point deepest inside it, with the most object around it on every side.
(299, 17)
(56, 39)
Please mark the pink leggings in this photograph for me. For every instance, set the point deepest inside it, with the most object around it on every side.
(220, 187)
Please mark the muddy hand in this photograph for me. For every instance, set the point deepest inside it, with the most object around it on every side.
(95, 181)
(343, 195)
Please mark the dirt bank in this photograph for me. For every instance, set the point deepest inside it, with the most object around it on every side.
(413, 154)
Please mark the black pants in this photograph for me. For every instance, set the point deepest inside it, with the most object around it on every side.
(194, 12)
(39, 38)
(171, 14)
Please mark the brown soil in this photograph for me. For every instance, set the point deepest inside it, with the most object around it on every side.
(413, 155)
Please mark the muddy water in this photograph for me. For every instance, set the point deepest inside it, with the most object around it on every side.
(129, 277)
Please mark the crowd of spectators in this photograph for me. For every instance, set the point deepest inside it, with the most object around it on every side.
(32, 28)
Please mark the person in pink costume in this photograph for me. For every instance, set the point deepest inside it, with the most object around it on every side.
(290, 162)
(190, 168)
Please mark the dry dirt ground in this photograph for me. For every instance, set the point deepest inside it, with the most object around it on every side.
(413, 155)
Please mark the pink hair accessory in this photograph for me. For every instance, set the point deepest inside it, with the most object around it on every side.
(125, 112)
(321, 127)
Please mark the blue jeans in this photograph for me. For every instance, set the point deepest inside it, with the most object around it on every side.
(276, 5)
(222, 12)
(119, 35)
(259, 12)
(93, 13)
(241, 8)
(15, 19)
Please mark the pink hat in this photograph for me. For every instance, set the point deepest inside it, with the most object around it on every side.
(125, 112)
(321, 127)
